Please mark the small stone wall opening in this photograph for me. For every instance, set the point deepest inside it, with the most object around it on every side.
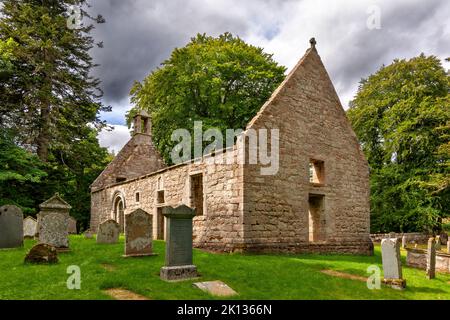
(316, 221)
(160, 198)
(197, 193)
(159, 224)
(138, 196)
(316, 171)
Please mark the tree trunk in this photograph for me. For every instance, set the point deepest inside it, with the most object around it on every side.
(43, 139)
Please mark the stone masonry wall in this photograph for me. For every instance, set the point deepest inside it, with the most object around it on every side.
(276, 207)
(221, 226)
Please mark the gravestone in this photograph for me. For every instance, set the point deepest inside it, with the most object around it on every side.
(444, 238)
(178, 261)
(11, 227)
(72, 225)
(404, 242)
(438, 243)
(431, 259)
(53, 222)
(392, 266)
(42, 253)
(88, 234)
(29, 227)
(54, 231)
(448, 247)
(138, 234)
(216, 288)
(108, 232)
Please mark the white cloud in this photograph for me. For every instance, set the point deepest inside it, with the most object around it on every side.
(114, 140)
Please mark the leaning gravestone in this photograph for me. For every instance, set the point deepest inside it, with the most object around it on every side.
(138, 234)
(42, 253)
(431, 259)
(11, 227)
(178, 262)
(29, 227)
(392, 266)
(108, 232)
(54, 231)
(72, 225)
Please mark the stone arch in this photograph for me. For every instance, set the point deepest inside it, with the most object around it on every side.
(118, 209)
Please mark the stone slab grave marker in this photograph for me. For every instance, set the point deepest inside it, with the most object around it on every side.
(216, 288)
(29, 227)
(178, 260)
(404, 242)
(438, 243)
(11, 227)
(53, 223)
(431, 259)
(392, 266)
(108, 232)
(138, 234)
(448, 247)
(88, 234)
(72, 225)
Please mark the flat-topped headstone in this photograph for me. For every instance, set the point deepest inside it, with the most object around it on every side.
(138, 234)
(178, 260)
(216, 288)
(54, 231)
(431, 259)
(72, 225)
(392, 267)
(108, 232)
(11, 227)
(29, 227)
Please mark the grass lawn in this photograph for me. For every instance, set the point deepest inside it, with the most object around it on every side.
(252, 276)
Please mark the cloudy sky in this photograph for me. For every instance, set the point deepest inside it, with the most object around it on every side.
(139, 34)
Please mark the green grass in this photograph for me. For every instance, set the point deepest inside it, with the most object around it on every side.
(252, 276)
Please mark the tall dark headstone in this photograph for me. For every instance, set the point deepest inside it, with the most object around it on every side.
(138, 234)
(178, 262)
(11, 227)
(431, 259)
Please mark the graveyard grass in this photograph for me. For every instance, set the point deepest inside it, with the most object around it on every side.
(252, 276)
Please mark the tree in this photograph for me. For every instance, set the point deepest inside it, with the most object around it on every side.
(401, 115)
(221, 81)
(51, 96)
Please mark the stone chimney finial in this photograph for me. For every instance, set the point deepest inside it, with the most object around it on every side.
(313, 42)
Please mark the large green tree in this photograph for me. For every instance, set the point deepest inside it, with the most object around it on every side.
(221, 81)
(49, 105)
(401, 115)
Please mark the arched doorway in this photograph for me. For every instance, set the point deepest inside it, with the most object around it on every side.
(118, 210)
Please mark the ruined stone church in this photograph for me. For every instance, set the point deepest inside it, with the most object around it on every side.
(318, 201)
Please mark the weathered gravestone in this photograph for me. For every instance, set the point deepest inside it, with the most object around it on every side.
(392, 266)
(404, 242)
(178, 262)
(11, 227)
(138, 234)
(431, 259)
(444, 238)
(42, 253)
(88, 234)
(438, 243)
(54, 231)
(29, 227)
(448, 247)
(72, 225)
(216, 288)
(53, 223)
(108, 232)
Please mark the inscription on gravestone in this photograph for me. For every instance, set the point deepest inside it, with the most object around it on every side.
(178, 262)
(11, 227)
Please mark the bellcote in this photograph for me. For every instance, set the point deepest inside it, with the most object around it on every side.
(142, 123)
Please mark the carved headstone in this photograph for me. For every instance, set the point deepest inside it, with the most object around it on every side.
(108, 232)
(53, 222)
(392, 266)
(42, 253)
(178, 261)
(29, 227)
(11, 227)
(72, 225)
(431, 259)
(138, 234)
(404, 242)
(54, 231)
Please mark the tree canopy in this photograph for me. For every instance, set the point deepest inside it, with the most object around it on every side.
(221, 81)
(401, 115)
